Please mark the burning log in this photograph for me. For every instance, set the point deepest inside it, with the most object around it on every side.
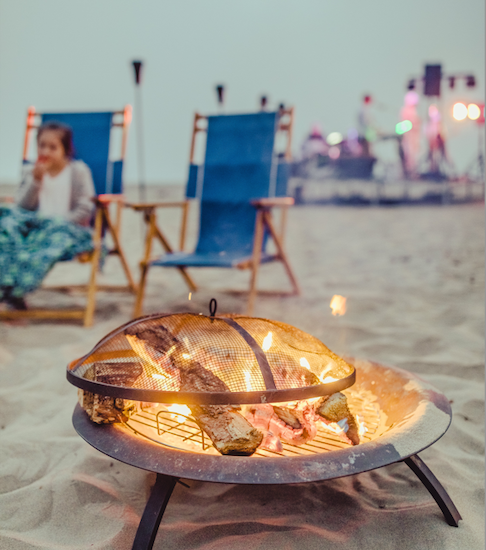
(229, 431)
(334, 408)
(103, 409)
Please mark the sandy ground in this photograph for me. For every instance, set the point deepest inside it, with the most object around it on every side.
(414, 281)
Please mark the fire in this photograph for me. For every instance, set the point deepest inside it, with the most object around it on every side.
(304, 363)
(362, 429)
(334, 427)
(158, 376)
(186, 355)
(327, 379)
(190, 295)
(248, 380)
(179, 410)
(338, 305)
(267, 342)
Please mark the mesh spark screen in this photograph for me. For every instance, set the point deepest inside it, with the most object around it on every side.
(193, 358)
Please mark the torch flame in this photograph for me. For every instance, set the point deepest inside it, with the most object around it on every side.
(338, 305)
(304, 363)
(267, 342)
(179, 410)
(248, 380)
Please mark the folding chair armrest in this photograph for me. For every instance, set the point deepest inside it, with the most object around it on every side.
(139, 206)
(273, 202)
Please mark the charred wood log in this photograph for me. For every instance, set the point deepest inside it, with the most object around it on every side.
(334, 408)
(229, 431)
(104, 409)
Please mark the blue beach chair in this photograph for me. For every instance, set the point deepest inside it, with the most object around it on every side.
(92, 137)
(241, 180)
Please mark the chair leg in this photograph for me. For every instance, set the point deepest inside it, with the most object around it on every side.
(95, 260)
(149, 217)
(257, 253)
(114, 233)
(283, 256)
(165, 243)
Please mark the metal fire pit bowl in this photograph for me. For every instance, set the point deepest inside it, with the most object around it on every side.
(417, 416)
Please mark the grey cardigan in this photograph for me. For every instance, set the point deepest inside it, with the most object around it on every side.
(82, 191)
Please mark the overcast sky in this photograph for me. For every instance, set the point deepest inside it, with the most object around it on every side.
(317, 55)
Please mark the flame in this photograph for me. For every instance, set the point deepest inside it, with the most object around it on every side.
(334, 427)
(158, 376)
(190, 295)
(362, 429)
(327, 379)
(178, 410)
(338, 305)
(304, 363)
(186, 355)
(267, 342)
(248, 380)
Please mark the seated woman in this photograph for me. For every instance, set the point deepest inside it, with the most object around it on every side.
(52, 220)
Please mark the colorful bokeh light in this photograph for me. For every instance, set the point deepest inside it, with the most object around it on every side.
(473, 111)
(403, 127)
(459, 111)
(334, 138)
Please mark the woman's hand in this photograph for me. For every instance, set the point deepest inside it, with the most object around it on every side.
(39, 170)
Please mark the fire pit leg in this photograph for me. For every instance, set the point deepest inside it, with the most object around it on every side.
(156, 505)
(433, 485)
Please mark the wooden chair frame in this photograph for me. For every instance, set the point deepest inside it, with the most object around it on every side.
(103, 225)
(264, 220)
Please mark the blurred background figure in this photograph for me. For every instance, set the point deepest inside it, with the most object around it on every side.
(314, 144)
(434, 133)
(411, 139)
(366, 127)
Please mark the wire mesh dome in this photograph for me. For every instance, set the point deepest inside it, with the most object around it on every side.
(197, 359)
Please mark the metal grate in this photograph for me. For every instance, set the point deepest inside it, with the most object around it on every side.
(179, 431)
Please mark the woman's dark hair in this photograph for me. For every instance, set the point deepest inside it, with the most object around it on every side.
(65, 135)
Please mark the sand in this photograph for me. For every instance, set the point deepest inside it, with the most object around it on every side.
(414, 282)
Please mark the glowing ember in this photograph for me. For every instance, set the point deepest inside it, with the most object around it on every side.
(179, 410)
(267, 342)
(248, 380)
(186, 356)
(304, 363)
(338, 305)
(190, 295)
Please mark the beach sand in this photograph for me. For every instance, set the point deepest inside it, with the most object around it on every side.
(414, 282)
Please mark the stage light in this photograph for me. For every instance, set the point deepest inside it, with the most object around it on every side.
(459, 111)
(411, 84)
(334, 138)
(473, 111)
(470, 81)
(452, 82)
(403, 127)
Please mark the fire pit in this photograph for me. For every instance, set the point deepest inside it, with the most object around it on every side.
(173, 393)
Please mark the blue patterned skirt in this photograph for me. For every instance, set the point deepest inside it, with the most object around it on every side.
(30, 245)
